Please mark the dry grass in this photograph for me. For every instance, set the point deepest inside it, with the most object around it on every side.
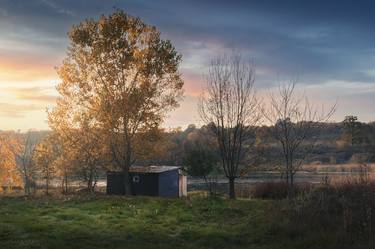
(270, 190)
(347, 167)
(344, 210)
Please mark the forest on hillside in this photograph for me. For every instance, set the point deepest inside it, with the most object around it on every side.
(332, 145)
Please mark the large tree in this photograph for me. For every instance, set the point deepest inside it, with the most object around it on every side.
(230, 106)
(119, 72)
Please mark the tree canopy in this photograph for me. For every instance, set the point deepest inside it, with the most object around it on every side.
(120, 78)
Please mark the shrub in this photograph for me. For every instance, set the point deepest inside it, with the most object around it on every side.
(270, 190)
(347, 208)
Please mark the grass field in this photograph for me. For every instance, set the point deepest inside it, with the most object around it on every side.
(141, 222)
(114, 222)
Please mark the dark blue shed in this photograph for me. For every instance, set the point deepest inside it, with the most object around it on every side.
(165, 181)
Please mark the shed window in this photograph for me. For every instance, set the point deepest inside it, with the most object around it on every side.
(136, 178)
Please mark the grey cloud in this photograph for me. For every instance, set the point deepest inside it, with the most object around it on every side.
(318, 41)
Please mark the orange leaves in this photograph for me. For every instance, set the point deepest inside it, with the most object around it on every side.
(121, 77)
(45, 155)
(9, 174)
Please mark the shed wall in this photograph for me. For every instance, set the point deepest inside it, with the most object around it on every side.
(115, 183)
(165, 184)
(147, 184)
(168, 184)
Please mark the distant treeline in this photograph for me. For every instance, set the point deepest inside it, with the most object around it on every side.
(332, 145)
(335, 143)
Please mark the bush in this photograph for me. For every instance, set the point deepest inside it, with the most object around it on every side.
(270, 190)
(347, 208)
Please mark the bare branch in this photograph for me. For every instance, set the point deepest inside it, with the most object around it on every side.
(230, 106)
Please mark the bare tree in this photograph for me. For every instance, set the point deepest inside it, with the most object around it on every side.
(28, 144)
(230, 106)
(45, 155)
(295, 125)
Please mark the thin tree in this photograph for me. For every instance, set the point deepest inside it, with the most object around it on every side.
(230, 106)
(121, 73)
(295, 125)
(201, 162)
(46, 153)
(28, 143)
(352, 129)
(9, 173)
(82, 152)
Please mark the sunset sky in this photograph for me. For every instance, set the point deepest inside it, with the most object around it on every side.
(328, 45)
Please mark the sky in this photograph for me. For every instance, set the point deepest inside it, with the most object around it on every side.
(329, 46)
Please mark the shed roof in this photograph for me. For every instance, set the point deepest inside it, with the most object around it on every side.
(151, 169)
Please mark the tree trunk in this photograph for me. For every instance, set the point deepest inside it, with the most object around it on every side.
(63, 186)
(232, 193)
(127, 164)
(291, 180)
(27, 186)
(26, 179)
(208, 185)
(89, 184)
(90, 181)
(66, 183)
(291, 186)
(127, 185)
(47, 185)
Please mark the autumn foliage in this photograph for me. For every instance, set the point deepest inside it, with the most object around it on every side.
(9, 174)
(118, 81)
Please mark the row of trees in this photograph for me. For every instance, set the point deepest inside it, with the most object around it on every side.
(230, 105)
(194, 147)
(27, 158)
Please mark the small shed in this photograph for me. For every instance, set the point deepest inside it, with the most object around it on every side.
(164, 181)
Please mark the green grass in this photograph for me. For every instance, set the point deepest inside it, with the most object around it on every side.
(141, 222)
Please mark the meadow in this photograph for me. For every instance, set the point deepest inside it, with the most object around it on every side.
(117, 222)
(99, 221)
